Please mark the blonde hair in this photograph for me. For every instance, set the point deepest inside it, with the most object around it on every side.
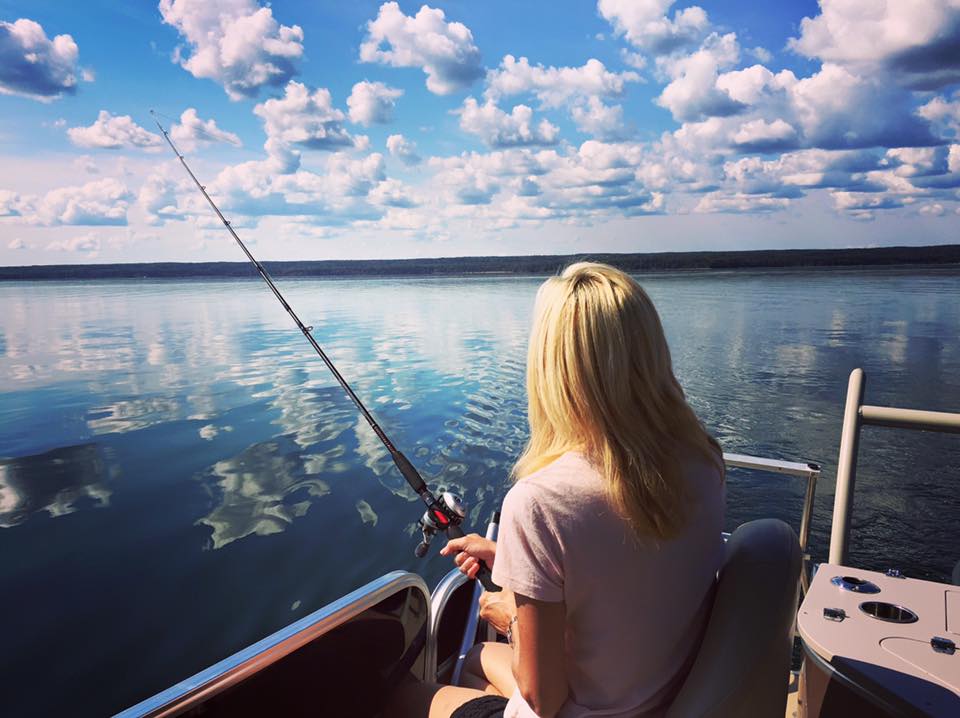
(600, 381)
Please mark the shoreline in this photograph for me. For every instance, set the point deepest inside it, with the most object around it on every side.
(508, 266)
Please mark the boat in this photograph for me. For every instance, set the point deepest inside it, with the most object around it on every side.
(877, 644)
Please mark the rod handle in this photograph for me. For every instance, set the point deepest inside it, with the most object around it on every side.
(483, 575)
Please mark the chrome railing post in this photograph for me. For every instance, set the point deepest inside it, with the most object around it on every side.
(805, 520)
(846, 469)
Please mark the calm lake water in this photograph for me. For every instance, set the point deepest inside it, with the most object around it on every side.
(180, 476)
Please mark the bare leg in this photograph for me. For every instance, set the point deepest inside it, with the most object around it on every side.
(428, 700)
(489, 667)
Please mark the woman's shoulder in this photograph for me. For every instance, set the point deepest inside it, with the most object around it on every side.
(570, 467)
(568, 479)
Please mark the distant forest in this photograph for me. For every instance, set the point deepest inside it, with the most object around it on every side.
(525, 265)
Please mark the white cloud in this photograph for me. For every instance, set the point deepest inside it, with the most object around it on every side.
(393, 193)
(372, 102)
(113, 132)
(555, 86)
(443, 50)
(499, 129)
(836, 108)
(102, 202)
(11, 204)
(602, 122)
(304, 119)
(933, 210)
(918, 42)
(32, 65)
(158, 199)
(693, 93)
(859, 201)
(84, 244)
(918, 161)
(646, 25)
(762, 136)
(16, 243)
(403, 149)
(191, 132)
(234, 42)
(762, 54)
(943, 113)
(740, 203)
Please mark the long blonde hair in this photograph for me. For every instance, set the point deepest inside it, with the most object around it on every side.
(600, 381)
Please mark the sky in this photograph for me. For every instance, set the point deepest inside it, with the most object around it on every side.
(338, 130)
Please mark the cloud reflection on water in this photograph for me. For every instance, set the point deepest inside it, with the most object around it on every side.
(55, 482)
(262, 491)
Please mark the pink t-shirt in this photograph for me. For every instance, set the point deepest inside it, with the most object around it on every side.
(635, 611)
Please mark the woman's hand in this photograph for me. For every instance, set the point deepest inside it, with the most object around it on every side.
(470, 551)
(498, 609)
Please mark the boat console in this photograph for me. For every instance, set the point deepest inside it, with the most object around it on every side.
(879, 644)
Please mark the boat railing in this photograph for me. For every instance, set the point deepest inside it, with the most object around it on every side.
(856, 415)
(195, 690)
(802, 470)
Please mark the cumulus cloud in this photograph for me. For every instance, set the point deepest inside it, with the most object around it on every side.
(555, 86)
(693, 93)
(393, 193)
(16, 243)
(836, 108)
(944, 114)
(237, 43)
(933, 210)
(158, 199)
(11, 203)
(647, 26)
(602, 122)
(762, 136)
(443, 50)
(304, 119)
(524, 185)
(84, 244)
(860, 201)
(918, 42)
(372, 102)
(102, 202)
(740, 203)
(32, 65)
(191, 132)
(334, 195)
(403, 149)
(113, 132)
(500, 129)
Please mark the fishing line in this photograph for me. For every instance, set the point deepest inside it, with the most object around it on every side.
(443, 514)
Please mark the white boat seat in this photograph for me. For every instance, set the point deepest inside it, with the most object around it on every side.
(744, 660)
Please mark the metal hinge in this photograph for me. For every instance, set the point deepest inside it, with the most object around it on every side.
(943, 645)
(834, 614)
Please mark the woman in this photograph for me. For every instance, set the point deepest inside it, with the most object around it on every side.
(610, 538)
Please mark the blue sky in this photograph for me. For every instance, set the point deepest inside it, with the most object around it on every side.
(369, 129)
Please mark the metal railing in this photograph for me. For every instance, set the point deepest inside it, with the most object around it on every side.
(803, 470)
(195, 690)
(856, 414)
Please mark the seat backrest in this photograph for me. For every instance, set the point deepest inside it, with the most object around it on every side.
(743, 665)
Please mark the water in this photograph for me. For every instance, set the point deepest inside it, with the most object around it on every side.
(180, 477)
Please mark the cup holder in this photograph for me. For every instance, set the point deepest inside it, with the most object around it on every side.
(857, 585)
(889, 612)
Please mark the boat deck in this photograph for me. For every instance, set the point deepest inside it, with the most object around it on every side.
(793, 695)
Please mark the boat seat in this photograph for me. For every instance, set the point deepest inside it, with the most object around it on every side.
(744, 660)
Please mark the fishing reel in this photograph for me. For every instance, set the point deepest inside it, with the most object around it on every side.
(449, 510)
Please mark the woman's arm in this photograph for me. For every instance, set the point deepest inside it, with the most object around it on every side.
(538, 654)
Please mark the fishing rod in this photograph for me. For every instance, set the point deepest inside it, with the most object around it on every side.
(442, 515)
